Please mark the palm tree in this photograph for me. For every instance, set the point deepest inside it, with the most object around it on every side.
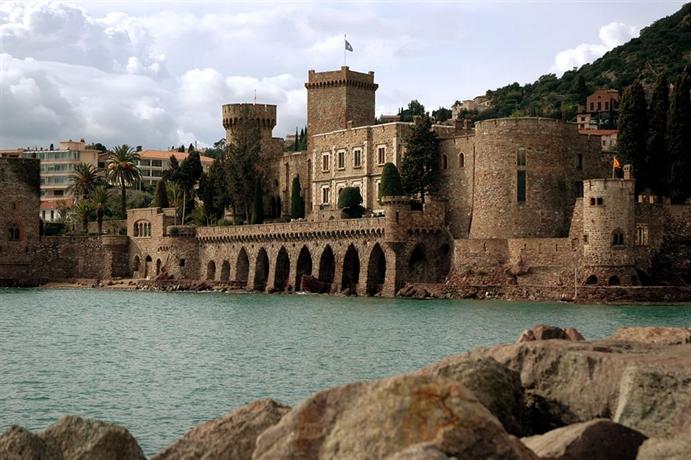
(85, 179)
(82, 209)
(99, 201)
(122, 171)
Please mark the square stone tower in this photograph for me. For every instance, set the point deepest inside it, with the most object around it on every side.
(338, 97)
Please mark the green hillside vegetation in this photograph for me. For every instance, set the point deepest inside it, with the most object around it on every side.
(664, 46)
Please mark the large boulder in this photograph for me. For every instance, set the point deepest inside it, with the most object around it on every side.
(79, 438)
(580, 381)
(655, 335)
(665, 449)
(424, 451)
(598, 439)
(546, 332)
(18, 443)
(497, 387)
(377, 419)
(232, 436)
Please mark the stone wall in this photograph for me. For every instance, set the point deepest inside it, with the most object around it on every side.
(456, 181)
(19, 218)
(556, 160)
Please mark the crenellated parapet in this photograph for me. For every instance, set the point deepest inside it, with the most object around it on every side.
(236, 116)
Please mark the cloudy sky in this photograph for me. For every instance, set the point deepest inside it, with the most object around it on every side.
(156, 73)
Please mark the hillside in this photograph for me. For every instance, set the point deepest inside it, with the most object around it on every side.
(663, 46)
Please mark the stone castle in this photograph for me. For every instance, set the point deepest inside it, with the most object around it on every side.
(522, 202)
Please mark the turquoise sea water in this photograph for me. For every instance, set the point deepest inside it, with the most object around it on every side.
(160, 363)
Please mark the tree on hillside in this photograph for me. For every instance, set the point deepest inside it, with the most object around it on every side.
(181, 149)
(297, 202)
(657, 131)
(122, 171)
(350, 203)
(420, 164)
(190, 173)
(243, 165)
(190, 148)
(390, 181)
(161, 195)
(580, 89)
(414, 109)
(633, 133)
(99, 202)
(441, 114)
(679, 140)
(257, 216)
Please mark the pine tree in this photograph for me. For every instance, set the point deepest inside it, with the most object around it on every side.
(297, 203)
(420, 165)
(161, 197)
(633, 133)
(679, 140)
(390, 181)
(580, 89)
(190, 149)
(257, 204)
(181, 148)
(658, 159)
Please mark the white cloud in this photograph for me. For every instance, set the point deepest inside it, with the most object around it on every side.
(611, 36)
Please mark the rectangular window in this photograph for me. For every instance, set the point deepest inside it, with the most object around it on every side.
(600, 201)
(521, 186)
(579, 161)
(357, 158)
(592, 107)
(599, 106)
(641, 234)
(520, 157)
(376, 189)
(340, 159)
(578, 188)
(606, 105)
(326, 195)
(381, 155)
(325, 161)
(157, 163)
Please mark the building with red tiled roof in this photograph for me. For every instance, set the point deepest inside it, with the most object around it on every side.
(608, 137)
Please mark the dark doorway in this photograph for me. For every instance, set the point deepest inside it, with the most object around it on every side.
(376, 270)
(304, 266)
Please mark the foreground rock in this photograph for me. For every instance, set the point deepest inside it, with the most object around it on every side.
(598, 439)
(495, 386)
(644, 386)
(71, 438)
(232, 436)
(665, 449)
(382, 418)
(545, 332)
(655, 335)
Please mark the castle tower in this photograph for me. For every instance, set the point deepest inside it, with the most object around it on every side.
(236, 116)
(336, 98)
(608, 231)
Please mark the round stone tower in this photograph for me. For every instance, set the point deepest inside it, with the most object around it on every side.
(526, 175)
(237, 116)
(608, 231)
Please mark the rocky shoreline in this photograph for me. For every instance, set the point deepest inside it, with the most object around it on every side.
(585, 294)
(550, 395)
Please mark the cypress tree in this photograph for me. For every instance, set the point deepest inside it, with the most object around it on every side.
(296, 144)
(257, 204)
(161, 198)
(390, 181)
(420, 165)
(658, 159)
(679, 140)
(297, 203)
(349, 202)
(633, 133)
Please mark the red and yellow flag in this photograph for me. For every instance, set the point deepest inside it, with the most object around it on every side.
(616, 164)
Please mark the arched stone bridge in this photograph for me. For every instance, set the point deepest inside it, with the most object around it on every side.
(365, 255)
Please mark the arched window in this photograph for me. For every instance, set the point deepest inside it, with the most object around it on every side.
(13, 233)
(142, 228)
(592, 279)
(617, 238)
(461, 160)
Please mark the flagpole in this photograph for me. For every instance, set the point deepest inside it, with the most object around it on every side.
(344, 50)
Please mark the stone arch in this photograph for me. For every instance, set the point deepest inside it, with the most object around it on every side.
(242, 267)
(443, 261)
(418, 267)
(136, 262)
(261, 270)
(158, 267)
(225, 271)
(282, 270)
(613, 281)
(304, 266)
(147, 266)
(211, 271)
(351, 269)
(327, 265)
(592, 279)
(376, 270)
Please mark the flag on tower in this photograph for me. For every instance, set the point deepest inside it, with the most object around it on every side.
(348, 46)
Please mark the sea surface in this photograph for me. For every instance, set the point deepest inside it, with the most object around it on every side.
(160, 363)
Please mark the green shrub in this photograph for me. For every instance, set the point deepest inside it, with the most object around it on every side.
(350, 203)
(390, 181)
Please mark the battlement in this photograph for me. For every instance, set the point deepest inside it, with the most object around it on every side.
(342, 77)
(263, 114)
(608, 184)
